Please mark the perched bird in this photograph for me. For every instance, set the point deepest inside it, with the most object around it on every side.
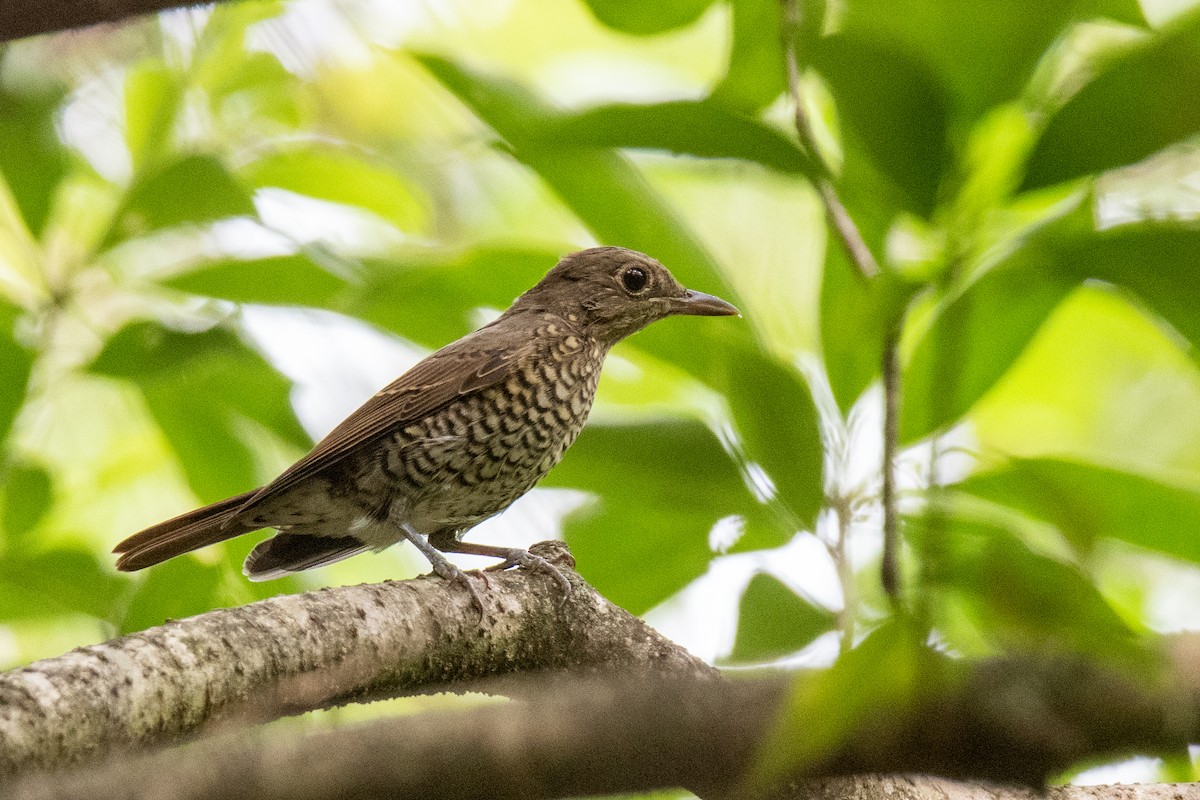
(451, 442)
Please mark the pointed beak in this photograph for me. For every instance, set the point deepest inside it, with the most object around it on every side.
(703, 305)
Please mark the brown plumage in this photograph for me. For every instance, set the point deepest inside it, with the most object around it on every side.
(454, 440)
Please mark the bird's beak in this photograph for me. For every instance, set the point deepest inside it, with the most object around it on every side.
(702, 305)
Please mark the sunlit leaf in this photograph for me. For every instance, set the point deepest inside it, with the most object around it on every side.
(26, 492)
(699, 128)
(32, 159)
(191, 189)
(294, 280)
(1138, 105)
(661, 487)
(201, 388)
(1087, 502)
(15, 365)
(222, 61)
(972, 343)
(257, 87)
(1160, 263)
(773, 621)
(631, 16)
(152, 100)
(340, 176)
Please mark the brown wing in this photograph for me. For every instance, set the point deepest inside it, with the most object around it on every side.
(460, 368)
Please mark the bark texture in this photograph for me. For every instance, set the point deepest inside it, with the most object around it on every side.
(910, 787)
(295, 653)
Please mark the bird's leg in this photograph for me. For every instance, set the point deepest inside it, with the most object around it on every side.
(513, 557)
(443, 568)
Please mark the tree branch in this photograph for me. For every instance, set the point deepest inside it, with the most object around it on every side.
(839, 217)
(889, 565)
(294, 653)
(20, 18)
(1016, 720)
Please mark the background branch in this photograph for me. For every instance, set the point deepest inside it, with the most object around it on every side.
(610, 733)
(294, 653)
(889, 567)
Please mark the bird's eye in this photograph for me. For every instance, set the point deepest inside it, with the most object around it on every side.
(634, 279)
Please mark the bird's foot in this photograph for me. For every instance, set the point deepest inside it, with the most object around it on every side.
(516, 557)
(447, 571)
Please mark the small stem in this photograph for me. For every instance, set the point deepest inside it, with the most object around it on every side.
(889, 568)
(839, 217)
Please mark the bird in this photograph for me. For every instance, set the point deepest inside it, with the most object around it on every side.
(454, 440)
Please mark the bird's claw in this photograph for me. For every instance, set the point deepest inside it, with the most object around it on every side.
(527, 560)
(449, 572)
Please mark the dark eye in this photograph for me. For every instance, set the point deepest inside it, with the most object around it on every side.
(634, 279)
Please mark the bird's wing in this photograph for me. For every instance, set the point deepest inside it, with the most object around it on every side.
(460, 368)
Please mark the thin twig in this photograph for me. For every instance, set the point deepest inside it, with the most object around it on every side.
(889, 568)
(839, 217)
(845, 570)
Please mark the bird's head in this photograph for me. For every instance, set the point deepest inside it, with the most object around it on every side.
(612, 292)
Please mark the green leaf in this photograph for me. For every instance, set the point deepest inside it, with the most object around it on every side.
(644, 19)
(428, 297)
(699, 128)
(16, 363)
(222, 62)
(191, 190)
(1087, 502)
(27, 494)
(774, 621)
(1158, 262)
(32, 159)
(613, 199)
(175, 589)
(1018, 599)
(56, 582)
(201, 390)
(257, 87)
(876, 683)
(295, 280)
(982, 51)
(973, 341)
(1138, 105)
(893, 111)
(757, 73)
(152, 99)
(661, 489)
(856, 313)
(781, 436)
(340, 176)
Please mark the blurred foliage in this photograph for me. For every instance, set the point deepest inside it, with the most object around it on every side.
(199, 211)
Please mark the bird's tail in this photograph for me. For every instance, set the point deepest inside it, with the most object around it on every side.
(184, 533)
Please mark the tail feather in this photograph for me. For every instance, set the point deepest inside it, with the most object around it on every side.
(286, 553)
(184, 533)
